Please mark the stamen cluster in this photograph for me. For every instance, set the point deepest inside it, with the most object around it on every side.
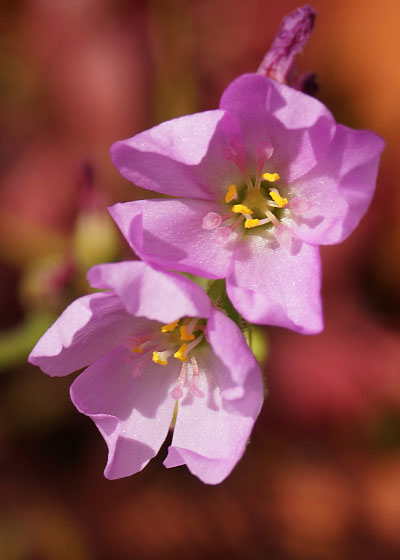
(257, 202)
(177, 339)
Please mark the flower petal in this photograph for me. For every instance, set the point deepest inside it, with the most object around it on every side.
(211, 433)
(299, 127)
(339, 189)
(241, 373)
(169, 234)
(181, 157)
(147, 292)
(274, 285)
(132, 413)
(88, 328)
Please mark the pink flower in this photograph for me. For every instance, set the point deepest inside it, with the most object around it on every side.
(261, 182)
(151, 343)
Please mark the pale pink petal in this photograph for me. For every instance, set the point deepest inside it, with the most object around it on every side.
(241, 373)
(88, 328)
(338, 191)
(299, 127)
(132, 413)
(170, 234)
(147, 292)
(211, 433)
(277, 285)
(181, 157)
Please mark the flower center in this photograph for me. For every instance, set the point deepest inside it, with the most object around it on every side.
(260, 202)
(177, 340)
(257, 202)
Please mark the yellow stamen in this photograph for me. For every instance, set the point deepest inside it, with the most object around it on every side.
(180, 354)
(271, 177)
(184, 334)
(251, 223)
(158, 360)
(170, 327)
(138, 350)
(231, 194)
(241, 209)
(278, 199)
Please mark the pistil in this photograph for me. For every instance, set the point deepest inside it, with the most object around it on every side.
(235, 153)
(177, 391)
(264, 152)
(194, 385)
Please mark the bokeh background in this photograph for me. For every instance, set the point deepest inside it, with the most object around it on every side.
(321, 477)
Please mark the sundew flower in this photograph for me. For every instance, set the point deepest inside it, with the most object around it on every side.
(260, 183)
(154, 345)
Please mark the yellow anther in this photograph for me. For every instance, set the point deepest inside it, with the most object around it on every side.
(231, 194)
(278, 199)
(184, 334)
(241, 209)
(180, 354)
(271, 177)
(170, 327)
(138, 350)
(158, 360)
(251, 223)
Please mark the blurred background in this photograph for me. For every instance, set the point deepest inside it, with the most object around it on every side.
(321, 477)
